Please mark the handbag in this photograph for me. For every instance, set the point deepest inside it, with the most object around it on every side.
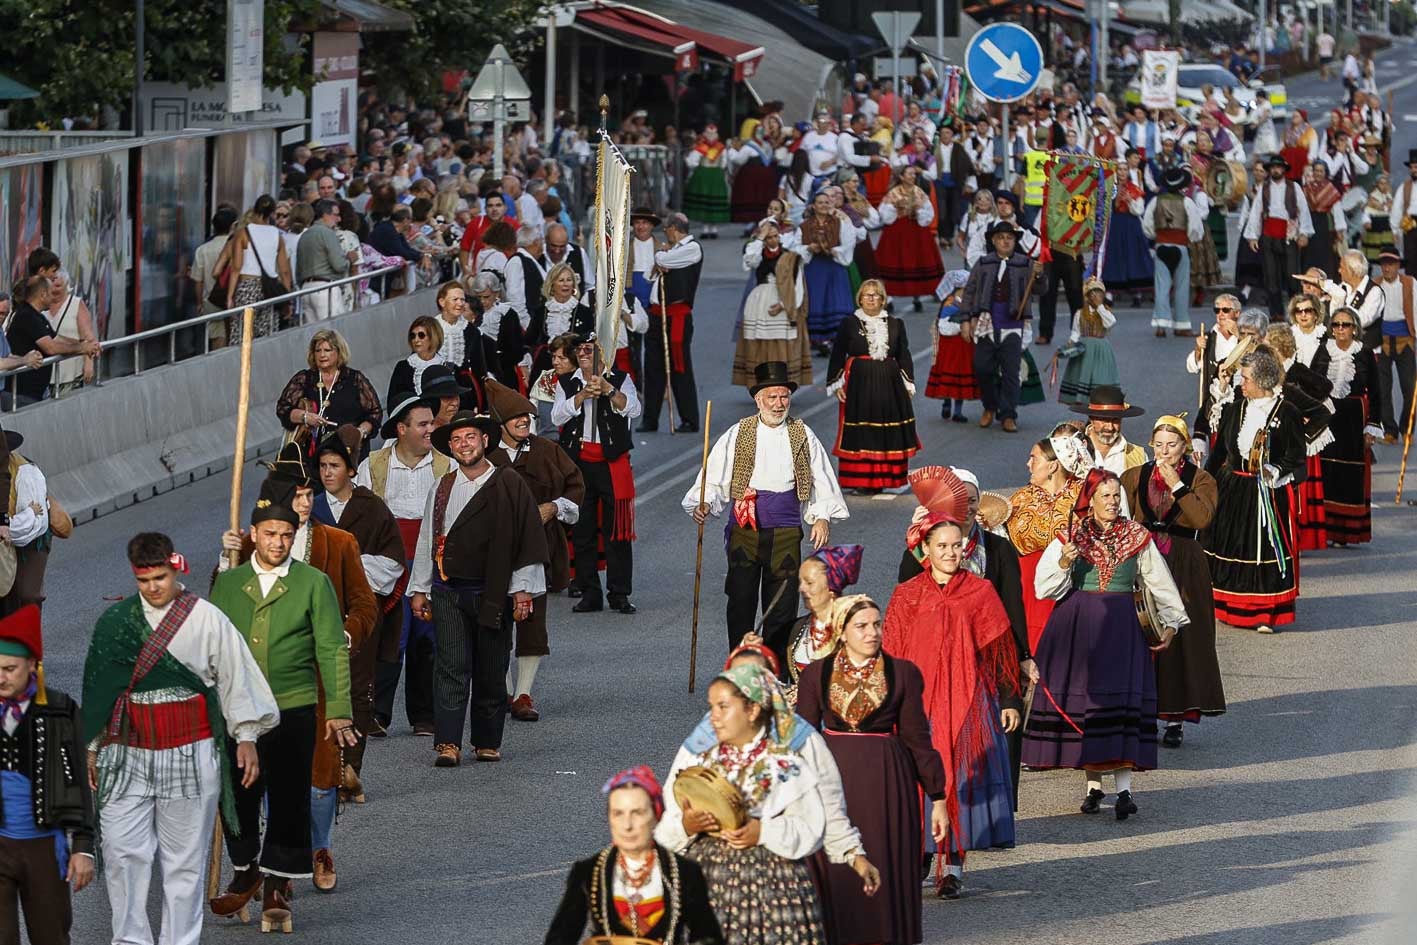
(218, 296)
(270, 286)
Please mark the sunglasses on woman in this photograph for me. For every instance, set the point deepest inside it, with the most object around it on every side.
(1342, 325)
(417, 334)
(1304, 310)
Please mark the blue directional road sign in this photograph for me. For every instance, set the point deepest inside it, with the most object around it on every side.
(1004, 62)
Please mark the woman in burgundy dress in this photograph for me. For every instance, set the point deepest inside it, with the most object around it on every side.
(871, 709)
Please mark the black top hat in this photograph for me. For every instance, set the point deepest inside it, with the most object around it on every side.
(461, 421)
(1175, 179)
(399, 406)
(644, 213)
(771, 374)
(1412, 157)
(1108, 403)
(1004, 226)
(441, 380)
(274, 503)
(1277, 160)
(291, 466)
(344, 442)
(13, 440)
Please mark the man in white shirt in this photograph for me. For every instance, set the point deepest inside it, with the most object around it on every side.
(821, 146)
(1395, 346)
(853, 147)
(1360, 293)
(1323, 45)
(525, 276)
(1279, 225)
(480, 560)
(1211, 350)
(162, 792)
(676, 284)
(1404, 209)
(403, 473)
(775, 474)
(643, 221)
(1105, 409)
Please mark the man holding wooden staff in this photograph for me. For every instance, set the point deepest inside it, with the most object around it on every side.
(675, 283)
(774, 471)
(167, 680)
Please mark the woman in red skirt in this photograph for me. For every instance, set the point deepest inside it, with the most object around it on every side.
(952, 374)
(908, 256)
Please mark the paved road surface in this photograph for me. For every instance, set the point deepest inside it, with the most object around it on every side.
(1285, 821)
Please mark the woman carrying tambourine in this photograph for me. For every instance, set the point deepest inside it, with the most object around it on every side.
(1095, 705)
(758, 880)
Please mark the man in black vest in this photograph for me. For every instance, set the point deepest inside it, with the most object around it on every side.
(524, 276)
(560, 249)
(480, 560)
(1278, 227)
(676, 281)
(599, 440)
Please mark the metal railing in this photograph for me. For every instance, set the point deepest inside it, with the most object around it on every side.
(144, 350)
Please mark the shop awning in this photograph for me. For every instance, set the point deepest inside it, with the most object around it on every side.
(805, 28)
(640, 30)
(371, 16)
(10, 90)
(744, 57)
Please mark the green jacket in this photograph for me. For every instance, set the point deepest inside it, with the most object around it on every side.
(296, 634)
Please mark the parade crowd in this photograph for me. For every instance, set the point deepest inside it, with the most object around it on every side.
(854, 750)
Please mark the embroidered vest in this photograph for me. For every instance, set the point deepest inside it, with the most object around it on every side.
(745, 454)
(379, 469)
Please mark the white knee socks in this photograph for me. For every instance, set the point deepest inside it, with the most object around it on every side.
(1123, 777)
(526, 674)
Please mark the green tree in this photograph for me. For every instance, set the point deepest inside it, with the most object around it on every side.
(450, 35)
(79, 53)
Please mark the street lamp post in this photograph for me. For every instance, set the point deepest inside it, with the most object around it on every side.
(140, 24)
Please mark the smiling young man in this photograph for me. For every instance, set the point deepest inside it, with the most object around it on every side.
(559, 489)
(172, 672)
(480, 560)
(47, 828)
(291, 619)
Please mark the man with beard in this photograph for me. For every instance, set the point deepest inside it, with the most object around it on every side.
(774, 473)
(1278, 227)
(1105, 409)
(559, 489)
(481, 559)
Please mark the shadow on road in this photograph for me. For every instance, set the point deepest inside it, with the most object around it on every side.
(1290, 933)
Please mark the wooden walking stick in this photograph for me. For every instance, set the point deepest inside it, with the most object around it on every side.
(238, 463)
(699, 555)
(1406, 445)
(668, 365)
(1200, 376)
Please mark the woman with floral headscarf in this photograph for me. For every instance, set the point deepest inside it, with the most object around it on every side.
(952, 374)
(870, 708)
(634, 887)
(1175, 499)
(821, 578)
(951, 624)
(1095, 709)
(758, 880)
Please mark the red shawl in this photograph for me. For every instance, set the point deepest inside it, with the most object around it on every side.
(1322, 197)
(959, 637)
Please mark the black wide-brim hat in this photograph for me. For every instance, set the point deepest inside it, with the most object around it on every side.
(1412, 157)
(1175, 179)
(1278, 160)
(1107, 402)
(442, 381)
(461, 421)
(771, 374)
(1004, 226)
(13, 440)
(644, 213)
(399, 406)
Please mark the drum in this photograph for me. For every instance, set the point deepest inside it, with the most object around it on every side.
(1149, 616)
(706, 790)
(1226, 183)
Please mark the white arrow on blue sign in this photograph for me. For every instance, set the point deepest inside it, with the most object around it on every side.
(1004, 62)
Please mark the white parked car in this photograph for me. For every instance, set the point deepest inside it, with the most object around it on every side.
(1192, 75)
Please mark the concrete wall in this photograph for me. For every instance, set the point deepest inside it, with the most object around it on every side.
(132, 438)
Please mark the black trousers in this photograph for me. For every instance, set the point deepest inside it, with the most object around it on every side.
(30, 880)
(686, 394)
(415, 664)
(950, 200)
(1279, 260)
(619, 555)
(1066, 271)
(1388, 359)
(637, 362)
(1409, 252)
(760, 563)
(997, 361)
(469, 671)
(285, 754)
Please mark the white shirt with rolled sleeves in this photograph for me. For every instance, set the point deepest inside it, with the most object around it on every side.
(530, 579)
(681, 255)
(793, 816)
(382, 573)
(772, 472)
(516, 285)
(1254, 222)
(1341, 293)
(564, 409)
(821, 152)
(26, 524)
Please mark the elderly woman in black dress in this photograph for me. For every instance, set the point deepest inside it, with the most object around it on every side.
(327, 394)
(870, 706)
(872, 374)
(425, 344)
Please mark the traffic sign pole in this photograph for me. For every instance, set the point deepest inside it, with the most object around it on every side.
(499, 121)
(1004, 63)
(1008, 162)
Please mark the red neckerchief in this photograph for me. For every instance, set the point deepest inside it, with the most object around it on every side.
(1107, 549)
